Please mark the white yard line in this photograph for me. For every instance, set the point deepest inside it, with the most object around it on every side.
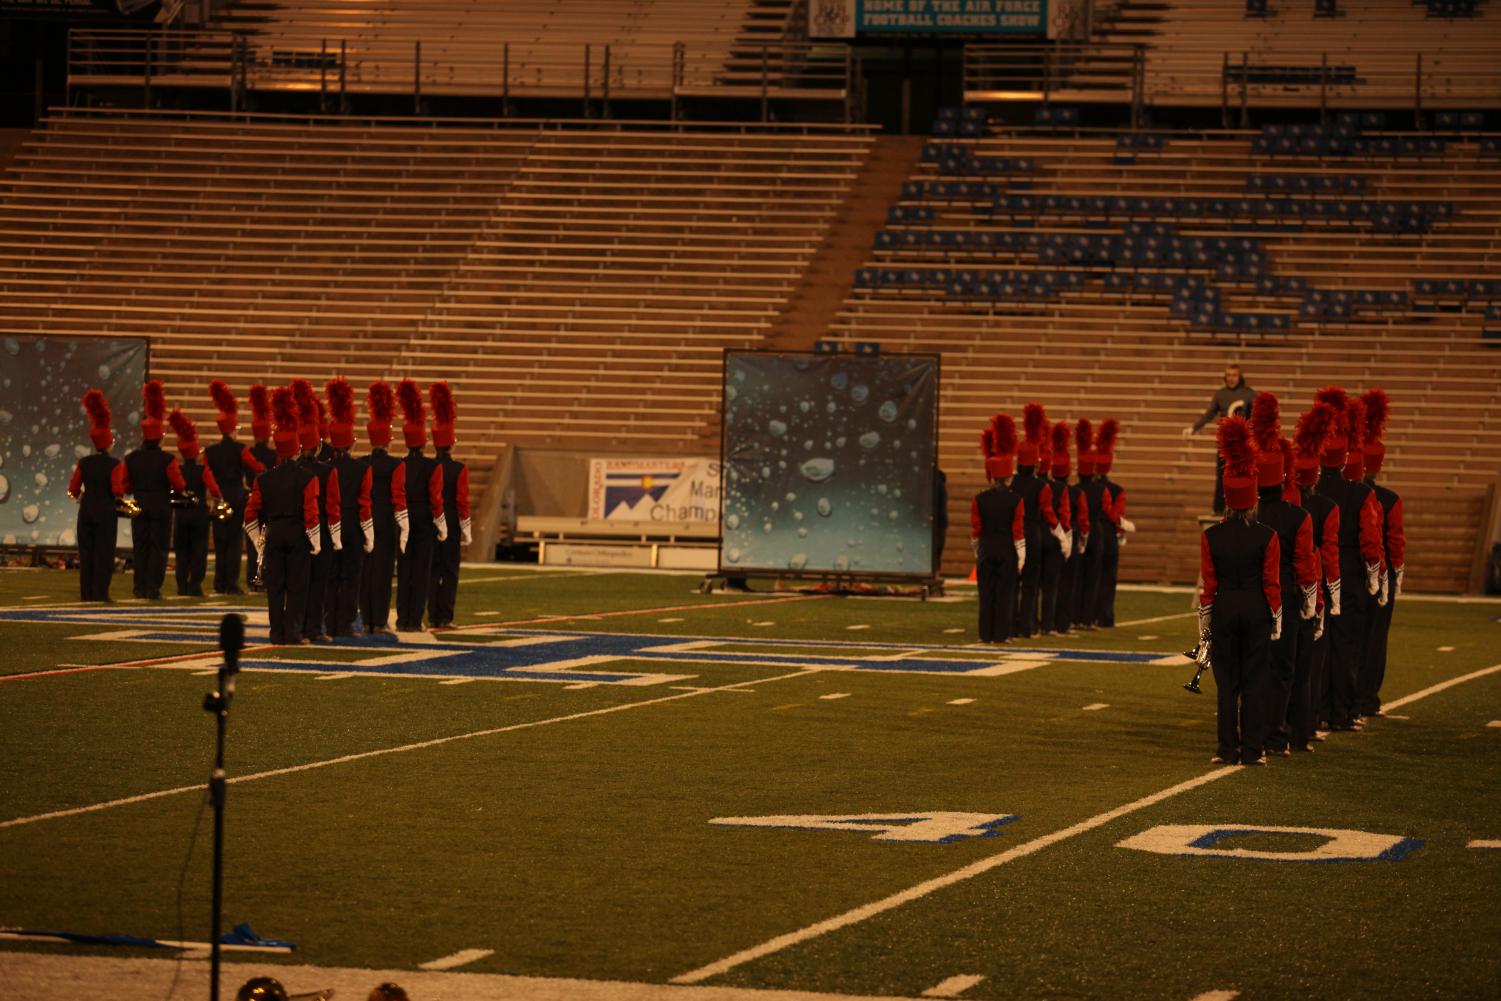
(1484, 843)
(1094, 706)
(1217, 996)
(984, 865)
(461, 958)
(399, 749)
(835, 695)
(953, 986)
(960, 702)
(1155, 618)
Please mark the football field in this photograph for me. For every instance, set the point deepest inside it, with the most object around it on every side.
(604, 776)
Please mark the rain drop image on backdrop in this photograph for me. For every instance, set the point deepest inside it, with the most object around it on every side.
(829, 463)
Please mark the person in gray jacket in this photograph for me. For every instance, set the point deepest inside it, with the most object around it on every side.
(1232, 399)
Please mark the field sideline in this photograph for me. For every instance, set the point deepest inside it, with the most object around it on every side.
(569, 787)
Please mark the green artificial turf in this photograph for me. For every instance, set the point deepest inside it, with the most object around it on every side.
(583, 847)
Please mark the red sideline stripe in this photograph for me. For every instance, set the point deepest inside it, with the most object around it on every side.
(636, 611)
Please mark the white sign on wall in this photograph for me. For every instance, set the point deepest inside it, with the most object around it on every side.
(662, 490)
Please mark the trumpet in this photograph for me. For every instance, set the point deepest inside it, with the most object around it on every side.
(1200, 656)
(127, 507)
(221, 509)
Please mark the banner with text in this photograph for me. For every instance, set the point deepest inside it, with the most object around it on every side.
(666, 490)
(849, 18)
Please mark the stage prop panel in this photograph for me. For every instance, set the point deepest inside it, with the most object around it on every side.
(828, 463)
(43, 430)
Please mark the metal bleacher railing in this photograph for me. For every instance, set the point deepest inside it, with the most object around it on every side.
(1101, 72)
(243, 63)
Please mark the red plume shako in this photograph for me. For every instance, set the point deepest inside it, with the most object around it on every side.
(187, 434)
(1308, 442)
(1337, 442)
(1104, 445)
(380, 403)
(260, 412)
(1240, 463)
(1060, 450)
(1034, 435)
(228, 407)
(153, 411)
(445, 414)
(341, 413)
(414, 417)
(1355, 424)
(1001, 462)
(306, 402)
(1266, 432)
(1378, 409)
(97, 409)
(284, 412)
(1083, 446)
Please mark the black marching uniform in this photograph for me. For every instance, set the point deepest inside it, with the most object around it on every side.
(150, 474)
(447, 554)
(190, 530)
(387, 503)
(1027, 485)
(266, 456)
(226, 459)
(354, 515)
(1053, 563)
(1072, 579)
(1092, 495)
(320, 564)
(1289, 711)
(998, 532)
(285, 505)
(414, 569)
(1110, 551)
(1240, 562)
(98, 525)
(1360, 545)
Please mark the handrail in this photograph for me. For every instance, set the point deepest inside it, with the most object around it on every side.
(180, 57)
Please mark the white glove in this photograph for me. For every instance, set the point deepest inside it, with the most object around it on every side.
(1372, 578)
(1021, 555)
(403, 527)
(1083, 542)
(1120, 538)
(315, 539)
(1397, 587)
(1067, 544)
(1127, 525)
(1334, 599)
(441, 524)
(1310, 601)
(974, 547)
(367, 529)
(466, 535)
(1276, 625)
(1318, 631)
(336, 533)
(1188, 432)
(1381, 595)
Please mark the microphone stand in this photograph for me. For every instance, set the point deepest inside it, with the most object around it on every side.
(231, 642)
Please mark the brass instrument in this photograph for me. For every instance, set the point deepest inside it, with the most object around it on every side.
(127, 507)
(183, 499)
(1200, 656)
(221, 509)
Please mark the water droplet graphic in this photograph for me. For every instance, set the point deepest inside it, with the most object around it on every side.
(824, 508)
(732, 554)
(888, 411)
(870, 439)
(807, 444)
(802, 533)
(817, 470)
(52, 451)
(797, 561)
(765, 470)
(731, 393)
(776, 505)
(29, 513)
(12, 346)
(4, 488)
(79, 451)
(831, 407)
(6, 416)
(791, 497)
(860, 393)
(840, 441)
(104, 371)
(41, 479)
(911, 423)
(804, 405)
(841, 562)
(732, 521)
(881, 489)
(840, 380)
(766, 527)
(893, 514)
(797, 516)
(66, 537)
(26, 451)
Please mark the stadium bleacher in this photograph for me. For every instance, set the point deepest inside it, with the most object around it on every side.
(578, 282)
(1047, 268)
